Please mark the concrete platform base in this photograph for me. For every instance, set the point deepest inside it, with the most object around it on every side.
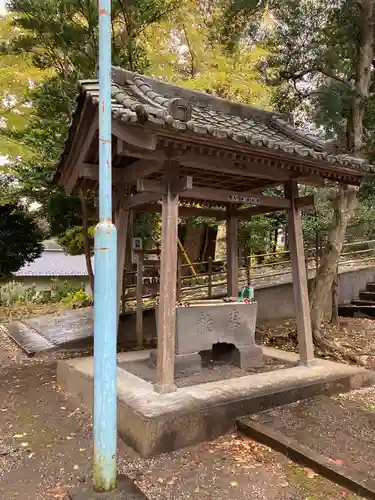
(126, 490)
(153, 423)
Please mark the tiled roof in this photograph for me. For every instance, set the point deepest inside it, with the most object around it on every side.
(139, 99)
(54, 263)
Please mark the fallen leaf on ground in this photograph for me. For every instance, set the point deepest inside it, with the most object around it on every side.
(233, 483)
(338, 462)
(310, 473)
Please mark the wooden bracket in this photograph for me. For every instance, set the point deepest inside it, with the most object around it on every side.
(305, 201)
(183, 184)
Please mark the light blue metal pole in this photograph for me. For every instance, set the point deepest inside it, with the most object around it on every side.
(105, 300)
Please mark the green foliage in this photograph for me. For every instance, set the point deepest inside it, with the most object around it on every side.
(15, 292)
(60, 38)
(255, 233)
(17, 76)
(72, 240)
(77, 298)
(148, 227)
(20, 240)
(182, 50)
(60, 289)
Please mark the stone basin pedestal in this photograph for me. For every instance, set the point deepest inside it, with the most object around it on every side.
(202, 324)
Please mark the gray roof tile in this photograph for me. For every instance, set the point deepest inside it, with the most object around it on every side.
(258, 128)
(54, 263)
(140, 98)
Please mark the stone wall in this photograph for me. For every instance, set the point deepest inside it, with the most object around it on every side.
(277, 302)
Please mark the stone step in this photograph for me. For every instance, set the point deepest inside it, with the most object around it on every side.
(370, 287)
(359, 302)
(367, 296)
(352, 310)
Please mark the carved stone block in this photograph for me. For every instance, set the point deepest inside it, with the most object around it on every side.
(201, 325)
(207, 322)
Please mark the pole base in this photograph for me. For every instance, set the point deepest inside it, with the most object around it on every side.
(126, 490)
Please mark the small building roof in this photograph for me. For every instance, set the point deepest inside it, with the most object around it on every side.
(54, 263)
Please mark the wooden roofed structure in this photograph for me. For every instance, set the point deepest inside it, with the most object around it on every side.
(199, 155)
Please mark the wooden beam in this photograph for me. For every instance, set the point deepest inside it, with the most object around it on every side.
(177, 186)
(71, 176)
(226, 165)
(129, 150)
(120, 175)
(140, 199)
(300, 288)
(150, 186)
(227, 196)
(314, 181)
(75, 147)
(133, 135)
(185, 211)
(232, 253)
(248, 212)
(211, 163)
(305, 202)
(167, 296)
(139, 169)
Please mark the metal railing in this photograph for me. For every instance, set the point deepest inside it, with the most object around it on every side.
(211, 275)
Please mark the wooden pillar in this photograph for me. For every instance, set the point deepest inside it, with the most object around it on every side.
(167, 298)
(121, 221)
(139, 292)
(232, 254)
(300, 286)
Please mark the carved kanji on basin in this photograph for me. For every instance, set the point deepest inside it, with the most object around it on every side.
(201, 324)
(205, 323)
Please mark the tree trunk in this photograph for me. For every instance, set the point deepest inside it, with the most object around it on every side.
(344, 206)
(221, 242)
(335, 298)
(86, 240)
(193, 243)
(345, 203)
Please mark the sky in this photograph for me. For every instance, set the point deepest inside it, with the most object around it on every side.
(2, 5)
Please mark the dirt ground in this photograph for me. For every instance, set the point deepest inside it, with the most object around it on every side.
(355, 335)
(337, 428)
(46, 447)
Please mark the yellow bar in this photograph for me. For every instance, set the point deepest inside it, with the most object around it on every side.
(186, 257)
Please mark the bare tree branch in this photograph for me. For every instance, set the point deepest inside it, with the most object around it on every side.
(316, 69)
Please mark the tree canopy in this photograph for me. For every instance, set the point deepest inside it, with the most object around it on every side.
(20, 240)
(294, 56)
